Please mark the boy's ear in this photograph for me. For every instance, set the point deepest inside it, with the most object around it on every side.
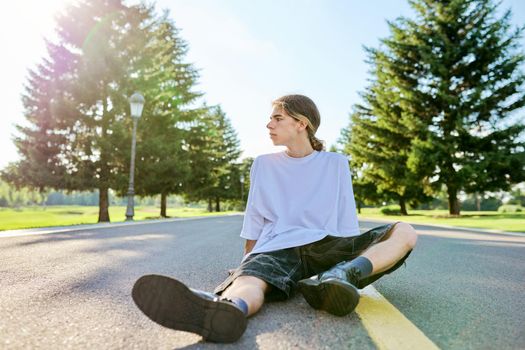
(304, 125)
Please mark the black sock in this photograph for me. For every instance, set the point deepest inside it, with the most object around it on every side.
(241, 304)
(363, 265)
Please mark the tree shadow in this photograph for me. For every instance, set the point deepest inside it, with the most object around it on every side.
(105, 263)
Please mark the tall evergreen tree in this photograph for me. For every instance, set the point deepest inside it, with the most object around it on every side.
(227, 152)
(458, 84)
(244, 174)
(162, 166)
(40, 145)
(380, 142)
(94, 98)
(364, 186)
(213, 148)
(105, 51)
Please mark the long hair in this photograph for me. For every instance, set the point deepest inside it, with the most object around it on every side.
(303, 108)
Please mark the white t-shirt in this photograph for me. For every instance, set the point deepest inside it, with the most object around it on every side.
(296, 201)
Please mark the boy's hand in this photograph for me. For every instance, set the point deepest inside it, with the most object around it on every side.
(248, 246)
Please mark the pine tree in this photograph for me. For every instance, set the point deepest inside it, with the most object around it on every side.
(213, 146)
(244, 186)
(162, 166)
(78, 104)
(380, 144)
(365, 190)
(227, 153)
(39, 145)
(457, 83)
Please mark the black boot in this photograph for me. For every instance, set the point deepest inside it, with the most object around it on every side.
(171, 304)
(334, 290)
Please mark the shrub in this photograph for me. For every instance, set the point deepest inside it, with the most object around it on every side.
(390, 210)
(510, 208)
(489, 204)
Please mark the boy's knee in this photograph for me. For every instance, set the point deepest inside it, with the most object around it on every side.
(250, 281)
(406, 233)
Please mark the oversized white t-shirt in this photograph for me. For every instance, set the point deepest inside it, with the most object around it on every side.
(296, 201)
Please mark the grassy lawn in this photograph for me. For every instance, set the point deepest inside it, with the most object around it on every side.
(492, 220)
(31, 217)
(73, 215)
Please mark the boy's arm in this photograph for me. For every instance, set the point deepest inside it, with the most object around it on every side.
(248, 246)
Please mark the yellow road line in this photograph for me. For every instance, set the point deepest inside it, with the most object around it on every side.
(387, 326)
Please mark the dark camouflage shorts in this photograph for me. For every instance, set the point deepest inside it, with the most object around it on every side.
(282, 269)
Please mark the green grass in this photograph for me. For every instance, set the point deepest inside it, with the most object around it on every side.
(30, 217)
(492, 220)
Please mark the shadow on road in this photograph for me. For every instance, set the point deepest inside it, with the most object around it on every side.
(87, 276)
(93, 271)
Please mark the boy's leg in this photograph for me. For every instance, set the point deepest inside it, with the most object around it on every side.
(387, 253)
(335, 290)
(172, 304)
(250, 289)
(221, 316)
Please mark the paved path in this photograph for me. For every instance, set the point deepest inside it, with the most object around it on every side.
(72, 289)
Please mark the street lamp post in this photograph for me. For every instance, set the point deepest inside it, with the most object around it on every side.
(242, 188)
(136, 102)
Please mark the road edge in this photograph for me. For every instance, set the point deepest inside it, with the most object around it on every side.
(83, 227)
(459, 228)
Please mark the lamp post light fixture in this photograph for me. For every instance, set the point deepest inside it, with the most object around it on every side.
(136, 102)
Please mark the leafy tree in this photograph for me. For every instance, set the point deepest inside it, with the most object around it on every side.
(12, 196)
(517, 197)
(477, 203)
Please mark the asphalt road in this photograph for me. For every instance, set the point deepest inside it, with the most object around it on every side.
(72, 289)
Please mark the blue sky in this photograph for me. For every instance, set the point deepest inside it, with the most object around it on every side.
(248, 53)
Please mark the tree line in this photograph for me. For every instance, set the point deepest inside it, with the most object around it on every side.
(443, 110)
(11, 197)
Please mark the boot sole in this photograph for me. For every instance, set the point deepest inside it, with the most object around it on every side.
(171, 304)
(332, 295)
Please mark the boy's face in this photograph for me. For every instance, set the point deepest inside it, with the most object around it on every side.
(283, 129)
